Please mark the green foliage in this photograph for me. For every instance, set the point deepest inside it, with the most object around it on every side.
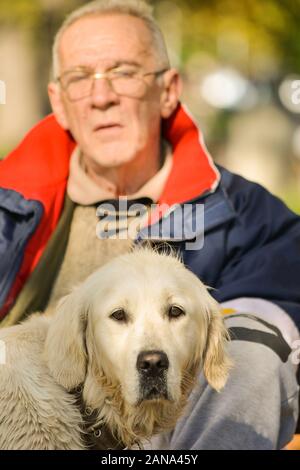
(29, 13)
(269, 27)
(20, 12)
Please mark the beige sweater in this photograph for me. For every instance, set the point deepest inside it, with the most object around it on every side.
(85, 252)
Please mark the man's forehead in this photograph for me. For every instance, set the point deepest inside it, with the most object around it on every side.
(105, 38)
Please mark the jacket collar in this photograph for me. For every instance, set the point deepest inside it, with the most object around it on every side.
(43, 157)
(193, 172)
(191, 220)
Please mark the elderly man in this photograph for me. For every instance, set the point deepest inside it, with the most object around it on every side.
(120, 135)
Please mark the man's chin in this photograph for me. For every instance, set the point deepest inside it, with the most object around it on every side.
(110, 156)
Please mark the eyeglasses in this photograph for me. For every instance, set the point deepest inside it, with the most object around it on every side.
(78, 83)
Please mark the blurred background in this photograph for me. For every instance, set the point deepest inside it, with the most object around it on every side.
(240, 62)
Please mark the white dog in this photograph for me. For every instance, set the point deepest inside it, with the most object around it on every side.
(133, 337)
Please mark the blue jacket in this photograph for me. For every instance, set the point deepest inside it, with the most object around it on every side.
(251, 241)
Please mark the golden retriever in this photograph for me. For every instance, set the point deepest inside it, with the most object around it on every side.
(134, 336)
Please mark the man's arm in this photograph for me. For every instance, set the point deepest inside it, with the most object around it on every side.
(262, 250)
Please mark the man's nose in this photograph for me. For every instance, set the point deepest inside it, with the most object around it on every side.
(103, 94)
(152, 363)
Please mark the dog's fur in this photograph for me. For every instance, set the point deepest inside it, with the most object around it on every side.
(46, 357)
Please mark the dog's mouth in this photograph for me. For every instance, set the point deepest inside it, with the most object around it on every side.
(153, 389)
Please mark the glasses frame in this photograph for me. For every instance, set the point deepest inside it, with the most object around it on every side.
(105, 75)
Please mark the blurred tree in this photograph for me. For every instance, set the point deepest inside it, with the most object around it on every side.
(20, 12)
(269, 26)
(41, 19)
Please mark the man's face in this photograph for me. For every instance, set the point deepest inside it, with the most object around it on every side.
(110, 129)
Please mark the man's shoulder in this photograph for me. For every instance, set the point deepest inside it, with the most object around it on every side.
(246, 195)
(234, 183)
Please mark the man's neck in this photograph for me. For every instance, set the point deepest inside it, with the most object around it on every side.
(129, 178)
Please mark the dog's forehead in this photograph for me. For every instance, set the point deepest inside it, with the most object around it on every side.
(146, 271)
(154, 270)
(131, 282)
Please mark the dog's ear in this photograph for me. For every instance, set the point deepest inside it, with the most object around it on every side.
(216, 364)
(65, 349)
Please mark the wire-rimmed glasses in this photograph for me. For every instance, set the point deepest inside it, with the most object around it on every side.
(78, 83)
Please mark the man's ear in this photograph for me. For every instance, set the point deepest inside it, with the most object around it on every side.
(171, 93)
(57, 104)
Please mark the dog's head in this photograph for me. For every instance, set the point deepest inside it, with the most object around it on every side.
(146, 323)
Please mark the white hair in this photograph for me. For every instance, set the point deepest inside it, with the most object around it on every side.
(137, 8)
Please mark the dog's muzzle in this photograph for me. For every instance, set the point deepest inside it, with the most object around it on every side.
(152, 367)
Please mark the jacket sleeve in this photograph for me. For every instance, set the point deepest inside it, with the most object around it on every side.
(262, 249)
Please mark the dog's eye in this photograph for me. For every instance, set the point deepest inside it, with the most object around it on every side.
(119, 315)
(175, 311)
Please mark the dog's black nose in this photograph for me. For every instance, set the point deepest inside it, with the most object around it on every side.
(152, 363)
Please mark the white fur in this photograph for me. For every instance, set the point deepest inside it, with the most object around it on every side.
(48, 356)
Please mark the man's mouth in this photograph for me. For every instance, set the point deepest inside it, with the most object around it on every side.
(111, 126)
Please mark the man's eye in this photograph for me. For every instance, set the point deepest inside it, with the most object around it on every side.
(119, 315)
(77, 78)
(123, 74)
